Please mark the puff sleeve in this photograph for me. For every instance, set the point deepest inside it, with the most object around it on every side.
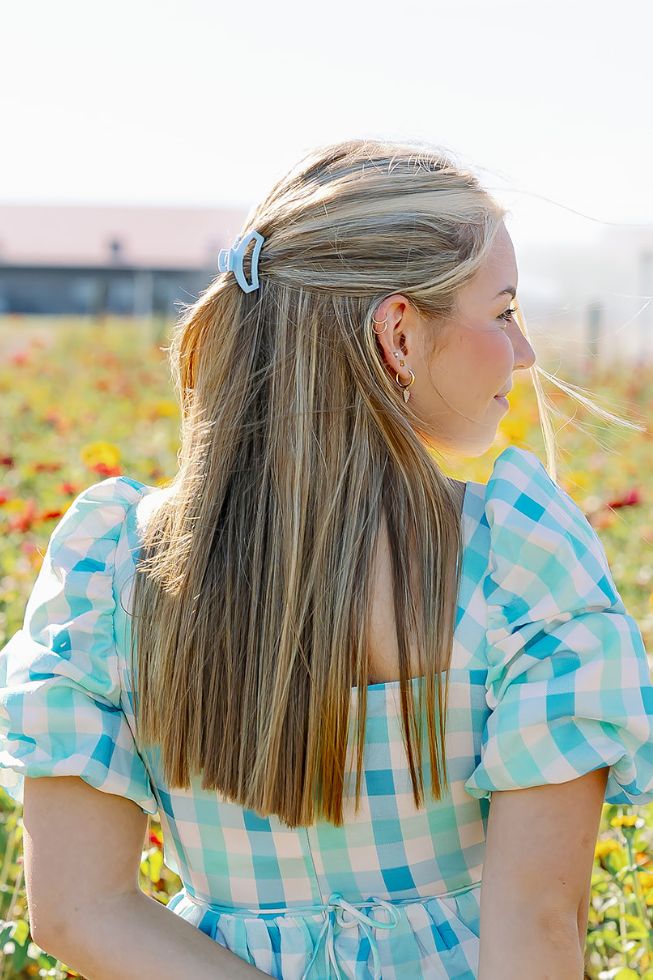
(568, 682)
(60, 692)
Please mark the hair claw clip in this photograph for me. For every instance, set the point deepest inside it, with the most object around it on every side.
(231, 260)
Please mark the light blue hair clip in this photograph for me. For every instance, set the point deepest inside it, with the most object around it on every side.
(231, 260)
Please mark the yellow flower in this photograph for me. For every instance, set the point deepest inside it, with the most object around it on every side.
(15, 506)
(646, 879)
(100, 452)
(578, 479)
(626, 820)
(164, 407)
(512, 430)
(606, 846)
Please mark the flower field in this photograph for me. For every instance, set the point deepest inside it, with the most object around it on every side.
(80, 401)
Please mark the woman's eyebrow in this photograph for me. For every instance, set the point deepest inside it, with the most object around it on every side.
(509, 289)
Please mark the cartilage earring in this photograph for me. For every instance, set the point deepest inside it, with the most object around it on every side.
(380, 321)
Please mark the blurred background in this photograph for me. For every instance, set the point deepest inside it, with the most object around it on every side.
(138, 135)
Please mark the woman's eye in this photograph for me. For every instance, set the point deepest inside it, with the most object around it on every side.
(507, 316)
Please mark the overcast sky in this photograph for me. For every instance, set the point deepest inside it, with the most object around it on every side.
(207, 103)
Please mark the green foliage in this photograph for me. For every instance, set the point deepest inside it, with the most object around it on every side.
(94, 399)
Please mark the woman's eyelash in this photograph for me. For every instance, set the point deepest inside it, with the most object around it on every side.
(507, 315)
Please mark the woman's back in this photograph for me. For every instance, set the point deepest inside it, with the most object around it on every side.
(427, 860)
(544, 659)
(383, 657)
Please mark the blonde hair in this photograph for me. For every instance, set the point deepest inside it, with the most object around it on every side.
(252, 593)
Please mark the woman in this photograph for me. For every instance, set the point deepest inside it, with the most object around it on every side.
(305, 594)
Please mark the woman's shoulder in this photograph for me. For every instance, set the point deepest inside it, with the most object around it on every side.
(543, 552)
(526, 509)
(519, 478)
(98, 509)
(105, 518)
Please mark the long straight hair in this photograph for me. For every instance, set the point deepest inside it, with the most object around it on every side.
(252, 592)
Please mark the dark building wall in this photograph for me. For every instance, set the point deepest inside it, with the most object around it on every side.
(91, 291)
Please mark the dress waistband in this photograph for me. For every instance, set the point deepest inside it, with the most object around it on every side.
(334, 908)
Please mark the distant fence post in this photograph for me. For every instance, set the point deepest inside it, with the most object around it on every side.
(143, 293)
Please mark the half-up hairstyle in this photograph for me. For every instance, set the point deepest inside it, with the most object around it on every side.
(252, 593)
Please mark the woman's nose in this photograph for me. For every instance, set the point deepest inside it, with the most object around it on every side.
(524, 353)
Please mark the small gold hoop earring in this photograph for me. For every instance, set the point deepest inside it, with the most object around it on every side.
(380, 321)
(405, 387)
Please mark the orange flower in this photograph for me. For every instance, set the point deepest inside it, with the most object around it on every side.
(602, 519)
(104, 470)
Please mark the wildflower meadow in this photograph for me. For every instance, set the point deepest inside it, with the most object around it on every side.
(84, 400)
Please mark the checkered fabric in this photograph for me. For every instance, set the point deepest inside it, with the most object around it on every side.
(549, 680)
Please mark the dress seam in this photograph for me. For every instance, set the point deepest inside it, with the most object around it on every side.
(310, 854)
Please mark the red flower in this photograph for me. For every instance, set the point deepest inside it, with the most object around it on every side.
(630, 498)
(4, 496)
(19, 358)
(7, 460)
(47, 467)
(68, 488)
(51, 515)
(23, 522)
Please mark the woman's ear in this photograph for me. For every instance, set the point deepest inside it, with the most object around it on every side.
(402, 323)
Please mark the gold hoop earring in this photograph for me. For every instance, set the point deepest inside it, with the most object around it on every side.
(405, 387)
(380, 321)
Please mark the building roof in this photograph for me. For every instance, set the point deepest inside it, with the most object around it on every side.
(88, 235)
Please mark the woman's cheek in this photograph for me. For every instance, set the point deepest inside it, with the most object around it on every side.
(493, 357)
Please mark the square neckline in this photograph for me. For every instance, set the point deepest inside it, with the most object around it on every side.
(383, 685)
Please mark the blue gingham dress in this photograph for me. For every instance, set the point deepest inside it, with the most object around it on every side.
(549, 680)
